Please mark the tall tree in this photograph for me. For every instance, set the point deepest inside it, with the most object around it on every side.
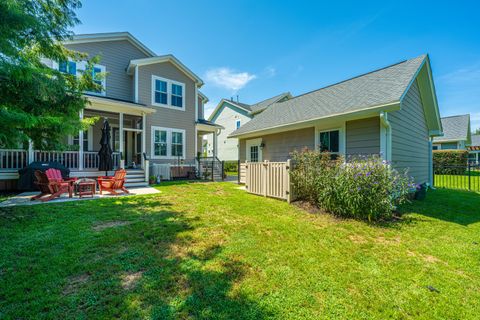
(37, 102)
(477, 131)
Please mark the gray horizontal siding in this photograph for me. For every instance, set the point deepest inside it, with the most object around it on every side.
(363, 136)
(410, 146)
(164, 117)
(279, 146)
(115, 56)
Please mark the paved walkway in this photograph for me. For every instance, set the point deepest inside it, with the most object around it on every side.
(23, 199)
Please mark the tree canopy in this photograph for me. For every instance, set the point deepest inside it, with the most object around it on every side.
(36, 101)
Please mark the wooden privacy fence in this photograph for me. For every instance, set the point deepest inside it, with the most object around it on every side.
(269, 179)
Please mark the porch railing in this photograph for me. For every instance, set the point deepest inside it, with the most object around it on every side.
(15, 159)
(68, 159)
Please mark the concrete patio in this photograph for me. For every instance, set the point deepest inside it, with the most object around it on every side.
(23, 199)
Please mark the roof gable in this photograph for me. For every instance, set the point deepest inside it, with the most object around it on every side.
(379, 90)
(224, 103)
(165, 58)
(110, 36)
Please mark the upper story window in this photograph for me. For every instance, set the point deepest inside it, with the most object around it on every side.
(161, 95)
(330, 141)
(68, 67)
(177, 95)
(78, 67)
(168, 93)
(237, 124)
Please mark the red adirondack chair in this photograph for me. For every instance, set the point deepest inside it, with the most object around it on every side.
(112, 184)
(51, 183)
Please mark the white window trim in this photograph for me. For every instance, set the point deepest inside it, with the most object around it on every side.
(169, 142)
(252, 143)
(236, 123)
(341, 139)
(89, 138)
(81, 65)
(169, 93)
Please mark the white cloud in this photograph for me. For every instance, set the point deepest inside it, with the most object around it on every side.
(228, 78)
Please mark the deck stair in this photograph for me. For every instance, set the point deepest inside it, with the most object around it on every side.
(135, 178)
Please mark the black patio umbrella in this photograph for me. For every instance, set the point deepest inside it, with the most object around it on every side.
(105, 153)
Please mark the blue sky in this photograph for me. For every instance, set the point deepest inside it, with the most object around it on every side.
(257, 49)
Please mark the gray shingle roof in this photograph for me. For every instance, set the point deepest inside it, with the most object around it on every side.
(376, 88)
(475, 140)
(454, 128)
(262, 105)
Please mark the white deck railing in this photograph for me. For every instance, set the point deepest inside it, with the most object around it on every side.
(15, 159)
(68, 159)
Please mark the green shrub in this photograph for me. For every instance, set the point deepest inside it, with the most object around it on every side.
(365, 188)
(450, 161)
(231, 166)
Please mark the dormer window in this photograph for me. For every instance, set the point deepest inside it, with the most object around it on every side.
(168, 93)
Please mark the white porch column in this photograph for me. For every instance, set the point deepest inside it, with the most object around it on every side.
(120, 134)
(31, 154)
(144, 140)
(80, 144)
(215, 142)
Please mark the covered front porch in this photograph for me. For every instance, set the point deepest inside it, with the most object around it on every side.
(127, 121)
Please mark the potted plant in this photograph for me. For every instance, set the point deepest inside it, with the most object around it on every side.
(152, 180)
(421, 191)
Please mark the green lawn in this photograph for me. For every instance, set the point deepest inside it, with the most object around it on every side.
(209, 250)
(458, 181)
(232, 173)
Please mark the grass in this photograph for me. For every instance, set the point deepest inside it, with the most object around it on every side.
(458, 181)
(232, 173)
(211, 251)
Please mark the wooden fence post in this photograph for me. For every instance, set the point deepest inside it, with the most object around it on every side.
(265, 177)
(287, 179)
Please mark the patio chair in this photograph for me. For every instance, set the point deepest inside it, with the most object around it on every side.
(54, 187)
(112, 184)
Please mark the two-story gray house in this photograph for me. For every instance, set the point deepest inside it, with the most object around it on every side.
(152, 103)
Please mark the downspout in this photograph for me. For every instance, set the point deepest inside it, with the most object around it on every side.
(430, 163)
(388, 139)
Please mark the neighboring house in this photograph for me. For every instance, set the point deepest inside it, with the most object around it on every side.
(456, 133)
(232, 115)
(474, 149)
(392, 111)
(152, 103)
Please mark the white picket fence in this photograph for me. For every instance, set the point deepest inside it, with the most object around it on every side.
(269, 179)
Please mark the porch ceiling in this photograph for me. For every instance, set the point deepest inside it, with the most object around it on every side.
(109, 105)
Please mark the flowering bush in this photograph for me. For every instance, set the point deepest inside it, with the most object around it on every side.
(363, 188)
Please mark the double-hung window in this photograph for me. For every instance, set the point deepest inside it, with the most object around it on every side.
(168, 93)
(168, 143)
(237, 124)
(177, 144)
(77, 68)
(177, 95)
(69, 67)
(161, 94)
(160, 143)
(330, 141)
